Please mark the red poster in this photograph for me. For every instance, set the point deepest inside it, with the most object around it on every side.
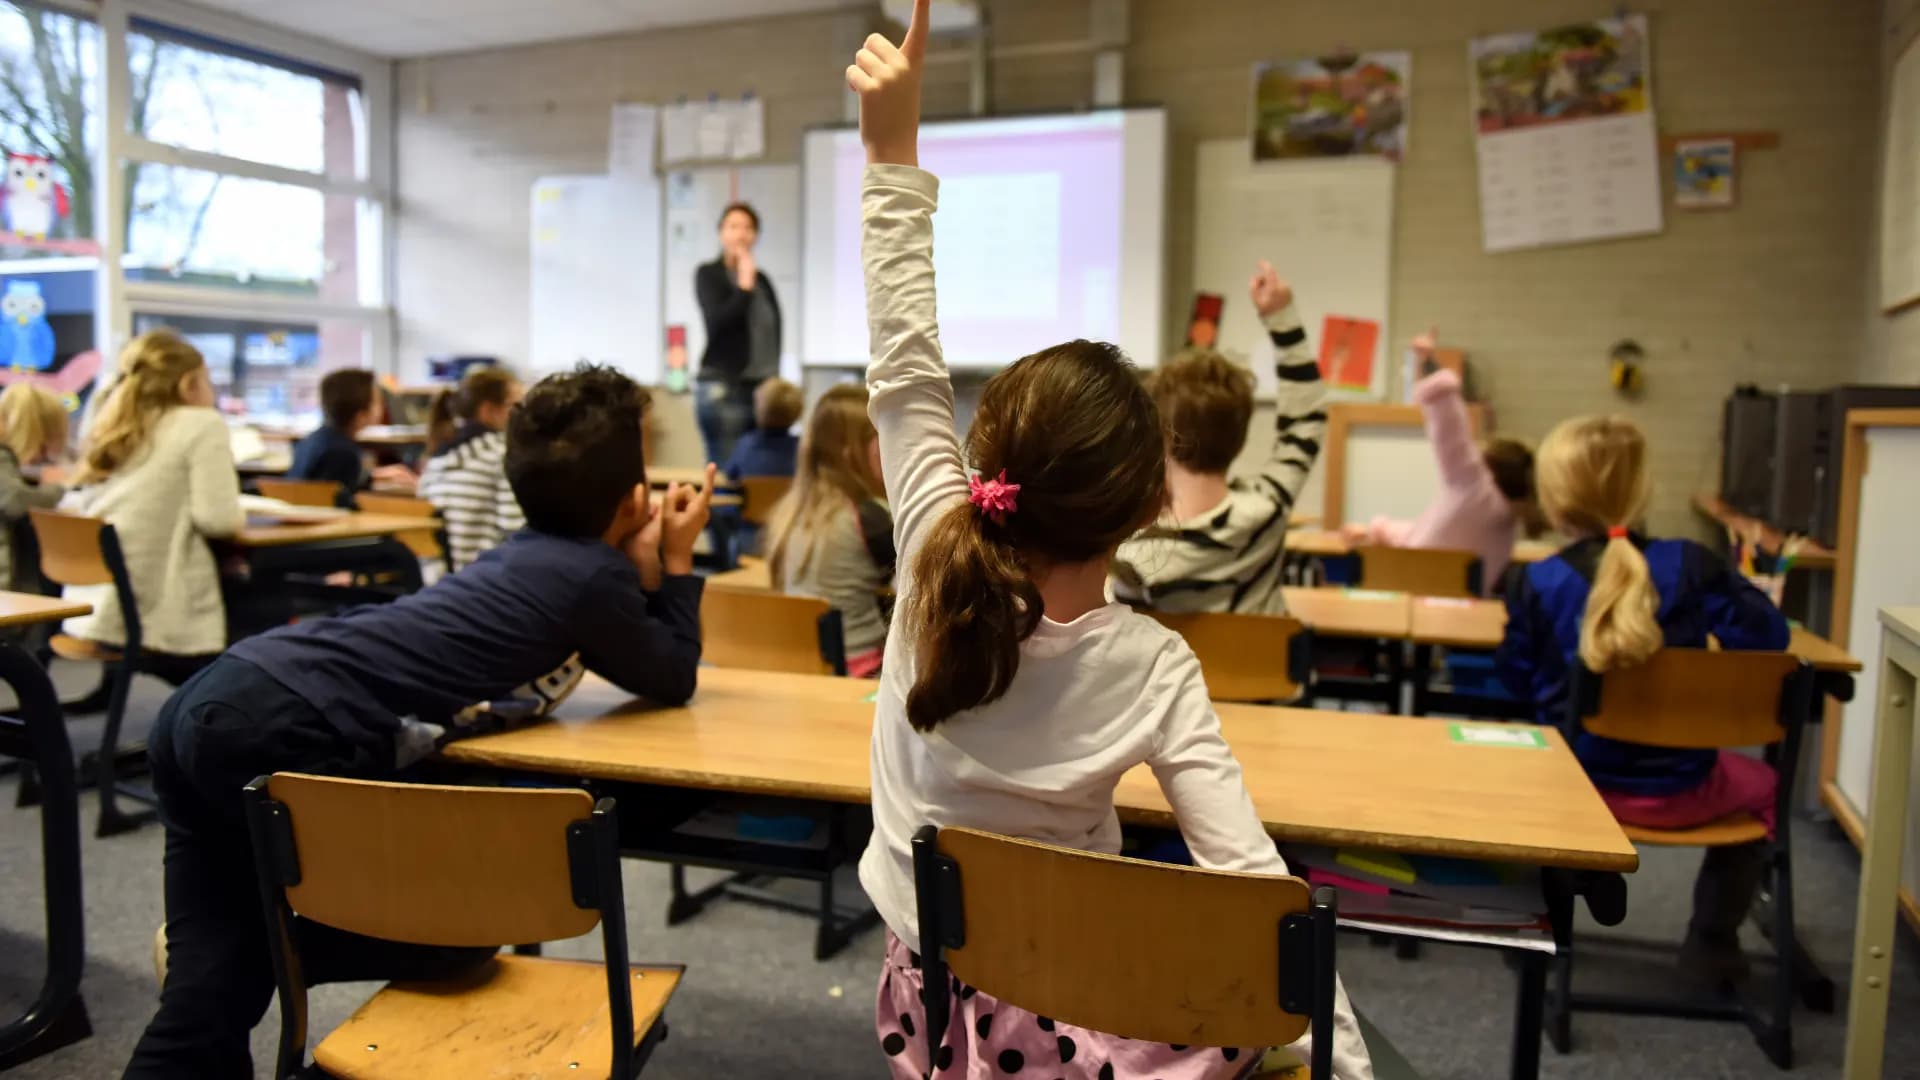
(1347, 347)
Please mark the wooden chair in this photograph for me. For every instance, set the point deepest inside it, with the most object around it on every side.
(1699, 699)
(1255, 658)
(758, 494)
(299, 492)
(83, 551)
(457, 866)
(768, 631)
(426, 544)
(1144, 950)
(1420, 571)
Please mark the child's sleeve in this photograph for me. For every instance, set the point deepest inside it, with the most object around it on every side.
(17, 496)
(1201, 779)
(1738, 614)
(1389, 532)
(644, 643)
(912, 396)
(213, 485)
(1300, 400)
(1443, 409)
(1514, 659)
(722, 301)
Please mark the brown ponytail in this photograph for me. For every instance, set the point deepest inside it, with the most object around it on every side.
(441, 423)
(455, 405)
(1592, 481)
(1074, 427)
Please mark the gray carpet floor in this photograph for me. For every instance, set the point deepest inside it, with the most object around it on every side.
(755, 1003)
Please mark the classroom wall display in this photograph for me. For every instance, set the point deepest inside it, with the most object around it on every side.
(1326, 224)
(1332, 106)
(595, 283)
(1565, 134)
(713, 129)
(1900, 186)
(1703, 171)
(694, 200)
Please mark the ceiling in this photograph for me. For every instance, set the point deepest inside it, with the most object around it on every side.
(402, 28)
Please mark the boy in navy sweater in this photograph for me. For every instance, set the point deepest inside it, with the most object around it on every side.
(597, 574)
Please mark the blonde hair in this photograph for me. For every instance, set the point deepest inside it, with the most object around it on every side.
(1591, 476)
(34, 420)
(777, 405)
(151, 369)
(833, 471)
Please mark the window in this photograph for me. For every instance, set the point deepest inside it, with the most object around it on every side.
(49, 132)
(270, 367)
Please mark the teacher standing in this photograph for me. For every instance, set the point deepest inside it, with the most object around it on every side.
(743, 333)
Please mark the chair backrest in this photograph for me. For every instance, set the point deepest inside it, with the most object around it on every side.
(1247, 657)
(769, 631)
(758, 494)
(70, 549)
(299, 492)
(1419, 571)
(433, 865)
(424, 543)
(1696, 699)
(1145, 950)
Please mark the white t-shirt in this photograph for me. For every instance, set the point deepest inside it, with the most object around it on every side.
(1092, 698)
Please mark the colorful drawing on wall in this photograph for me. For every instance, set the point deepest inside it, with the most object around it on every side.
(34, 200)
(1567, 73)
(1347, 347)
(1332, 106)
(1703, 173)
(26, 342)
(1203, 326)
(73, 381)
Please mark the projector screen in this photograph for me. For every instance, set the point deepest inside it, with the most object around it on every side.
(1050, 228)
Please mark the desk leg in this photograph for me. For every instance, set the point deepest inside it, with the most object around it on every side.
(57, 1016)
(1528, 1015)
(1422, 679)
(1880, 862)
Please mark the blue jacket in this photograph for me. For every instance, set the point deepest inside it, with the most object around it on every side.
(330, 454)
(1699, 595)
(761, 452)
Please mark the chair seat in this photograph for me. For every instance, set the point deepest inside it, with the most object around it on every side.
(73, 648)
(1727, 831)
(517, 1018)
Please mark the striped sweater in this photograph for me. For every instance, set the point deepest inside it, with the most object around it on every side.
(1229, 558)
(467, 483)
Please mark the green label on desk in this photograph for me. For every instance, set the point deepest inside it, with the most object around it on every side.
(1497, 735)
(871, 698)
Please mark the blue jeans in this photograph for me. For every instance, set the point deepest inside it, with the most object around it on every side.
(725, 412)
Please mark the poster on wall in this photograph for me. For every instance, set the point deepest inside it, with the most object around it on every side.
(1331, 106)
(713, 129)
(1703, 174)
(1565, 134)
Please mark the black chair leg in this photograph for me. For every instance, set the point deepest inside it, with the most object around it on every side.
(113, 820)
(1560, 1001)
(28, 793)
(1776, 1032)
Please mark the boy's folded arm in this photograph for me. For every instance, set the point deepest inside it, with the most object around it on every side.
(1300, 396)
(912, 393)
(645, 643)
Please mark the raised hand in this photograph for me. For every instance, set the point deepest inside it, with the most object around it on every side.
(1423, 343)
(685, 511)
(1269, 293)
(746, 273)
(888, 82)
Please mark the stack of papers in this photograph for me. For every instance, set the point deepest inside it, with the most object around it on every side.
(1431, 897)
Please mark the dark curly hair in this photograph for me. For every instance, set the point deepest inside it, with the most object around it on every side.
(574, 449)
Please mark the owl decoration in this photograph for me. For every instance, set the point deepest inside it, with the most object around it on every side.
(26, 341)
(34, 200)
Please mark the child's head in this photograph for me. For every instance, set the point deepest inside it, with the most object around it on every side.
(1511, 463)
(347, 398)
(836, 467)
(485, 396)
(1206, 401)
(574, 456)
(158, 371)
(1075, 429)
(777, 405)
(1592, 480)
(35, 422)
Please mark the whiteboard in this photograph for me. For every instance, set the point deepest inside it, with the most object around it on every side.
(1900, 185)
(1325, 224)
(1885, 574)
(694, 200)
(1389, 472)
(595, 287)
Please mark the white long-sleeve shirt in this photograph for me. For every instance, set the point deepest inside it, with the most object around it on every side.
(1093, 697)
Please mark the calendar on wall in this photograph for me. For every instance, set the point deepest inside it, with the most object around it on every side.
(1565, 134)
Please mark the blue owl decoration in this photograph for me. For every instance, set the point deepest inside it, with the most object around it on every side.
(26, 341)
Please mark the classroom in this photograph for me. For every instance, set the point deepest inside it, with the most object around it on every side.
(1374, 545)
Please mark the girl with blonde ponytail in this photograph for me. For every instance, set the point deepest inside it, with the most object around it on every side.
(1610, 600)
(1015, 694)
(158, 467)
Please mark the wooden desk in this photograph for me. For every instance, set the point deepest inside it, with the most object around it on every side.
(1329, 544)
(752, 575)
(662, 475)
(272, 465)
(1342, 612)
(395, 435)
(344, 527)
(1813, 556)
(25, 609)
(1373, 780)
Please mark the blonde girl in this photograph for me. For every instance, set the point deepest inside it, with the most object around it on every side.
(158, 467)
(1611, 599)
(33, 432)
(1015, 695)
(831, 536)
